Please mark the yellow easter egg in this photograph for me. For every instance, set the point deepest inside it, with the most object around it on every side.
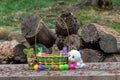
(39, 54)
(35, 67)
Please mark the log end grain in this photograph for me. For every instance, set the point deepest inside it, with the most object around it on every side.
(108, 43)
(90, 33)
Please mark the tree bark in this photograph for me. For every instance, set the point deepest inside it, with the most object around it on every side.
(60, 42)
(105, 38)
(66, 23)
(112, 58)
(11, 52)
(33, 27)
(108, 43)
(74, 42)
(19, 56)
(90, 33)
(90, 55)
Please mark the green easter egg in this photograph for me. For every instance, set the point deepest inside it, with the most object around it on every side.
(66, 67)
(61, 67)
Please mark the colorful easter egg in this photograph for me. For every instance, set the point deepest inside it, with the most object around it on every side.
(44, 54)
(35, 67)
(66, 67)
(55, 67)
(61, 67)
(71, 66)
(40, 67)
(39, 54)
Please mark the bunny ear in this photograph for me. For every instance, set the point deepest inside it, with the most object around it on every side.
(31, 50)
(25, 51)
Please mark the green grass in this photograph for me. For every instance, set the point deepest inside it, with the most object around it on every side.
(12, 12)
(86, 17)
(116, 3)
(115, 26)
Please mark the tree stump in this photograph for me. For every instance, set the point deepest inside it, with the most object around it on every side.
(66, 23)
(90, 55)
(33, 27)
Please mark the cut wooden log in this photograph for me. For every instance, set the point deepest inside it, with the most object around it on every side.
(118, 48)
(17, 35)
(105, 37)
(11, 51)
(4, 34)
(90, 55)
(60, 42)
(74, 42)
(34, 28)
(108, 43)
(112, 58)
(66, 23)
(92, 32)
(19, 56)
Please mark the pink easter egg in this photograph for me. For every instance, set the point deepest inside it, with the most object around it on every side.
(71, 66)
(44, 54)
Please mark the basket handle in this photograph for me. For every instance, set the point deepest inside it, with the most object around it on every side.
(39, 23)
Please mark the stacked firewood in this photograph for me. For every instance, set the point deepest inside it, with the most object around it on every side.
(96, 43)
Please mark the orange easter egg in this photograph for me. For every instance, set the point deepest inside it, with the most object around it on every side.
(55, 67)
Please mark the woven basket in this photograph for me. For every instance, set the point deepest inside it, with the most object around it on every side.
(52, 59)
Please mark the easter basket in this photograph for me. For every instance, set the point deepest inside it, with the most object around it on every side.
(37, 58)
(52, 60)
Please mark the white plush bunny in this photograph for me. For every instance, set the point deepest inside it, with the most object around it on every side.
(75, 57)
